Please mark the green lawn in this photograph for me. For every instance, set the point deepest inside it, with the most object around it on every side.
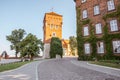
(109, 63)
(11, 66)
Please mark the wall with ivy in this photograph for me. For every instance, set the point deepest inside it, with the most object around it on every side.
(92, 39)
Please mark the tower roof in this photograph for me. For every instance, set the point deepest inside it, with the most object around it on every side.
(53, 13)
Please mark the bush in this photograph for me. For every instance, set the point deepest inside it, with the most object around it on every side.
(85, 58)
(56, 47)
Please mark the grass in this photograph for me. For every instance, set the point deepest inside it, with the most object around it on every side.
(108, 63)
(11, 66)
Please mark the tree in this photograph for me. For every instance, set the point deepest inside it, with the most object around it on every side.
(30, 46)
(73, 45)
(15, 38)
(41, 45)
(55, 47)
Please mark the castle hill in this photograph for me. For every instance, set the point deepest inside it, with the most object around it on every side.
(60, 40)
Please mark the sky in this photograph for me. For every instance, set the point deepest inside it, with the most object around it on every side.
(29, 14)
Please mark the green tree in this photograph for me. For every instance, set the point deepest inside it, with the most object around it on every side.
(56, 47)
(73, 44)
(15, 38)
(30, 46)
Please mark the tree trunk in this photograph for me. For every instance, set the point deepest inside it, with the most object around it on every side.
(16, 54)
(0, 58)
(31, 58)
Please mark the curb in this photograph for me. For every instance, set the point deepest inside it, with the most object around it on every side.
(103, 66)
(15, 69)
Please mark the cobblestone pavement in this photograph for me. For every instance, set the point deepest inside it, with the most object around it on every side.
(64, 69)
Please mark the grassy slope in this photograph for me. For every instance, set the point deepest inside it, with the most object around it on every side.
(11, 66)
(108, 64)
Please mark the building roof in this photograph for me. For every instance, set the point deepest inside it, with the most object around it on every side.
(65, 43)
(53, 13)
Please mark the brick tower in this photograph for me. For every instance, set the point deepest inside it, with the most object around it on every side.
(52, 27)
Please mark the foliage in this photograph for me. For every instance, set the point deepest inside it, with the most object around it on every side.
(109, 37)
(15, 38)
(110, 63)
(55, 47)
(79, 34)
(74, 0)
(30, 46)
(92, 39)
(113, 14)
(11, 66)
(73, 44)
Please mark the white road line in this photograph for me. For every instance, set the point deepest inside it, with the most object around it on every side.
(37, 68)
(37, 72)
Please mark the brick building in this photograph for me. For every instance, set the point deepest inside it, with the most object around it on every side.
(53, 28)
(98, 27)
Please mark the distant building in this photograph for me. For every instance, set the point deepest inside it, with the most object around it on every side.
(98, 27)
(66, 47)
(52, 28)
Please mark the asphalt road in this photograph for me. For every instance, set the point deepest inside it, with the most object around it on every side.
(60, 69)
(64, 69)
(26, 72)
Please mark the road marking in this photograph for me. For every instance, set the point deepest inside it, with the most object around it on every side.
(37, 68)
(37, 72)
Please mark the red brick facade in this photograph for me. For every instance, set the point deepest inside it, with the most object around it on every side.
(89, 5)
(103, 9)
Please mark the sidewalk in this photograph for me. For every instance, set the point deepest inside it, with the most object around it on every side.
(103, 69)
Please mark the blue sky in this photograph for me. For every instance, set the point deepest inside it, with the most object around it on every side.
(29, 14)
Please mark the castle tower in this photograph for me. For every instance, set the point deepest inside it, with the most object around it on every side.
(52, 27)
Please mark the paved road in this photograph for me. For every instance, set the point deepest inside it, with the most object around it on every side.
(65, 69)
(26, 72)
(60, 69)
(103, 69)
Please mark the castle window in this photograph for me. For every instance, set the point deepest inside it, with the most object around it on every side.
(116, 46)
(98, 28)
(113, 25)
(84, 13)
(96, 10)
(86, 31)
(53, 34)
(56, 27)
(100, 47)
(111, 5)
(87, 48)
(83, 1)
(51, 26)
